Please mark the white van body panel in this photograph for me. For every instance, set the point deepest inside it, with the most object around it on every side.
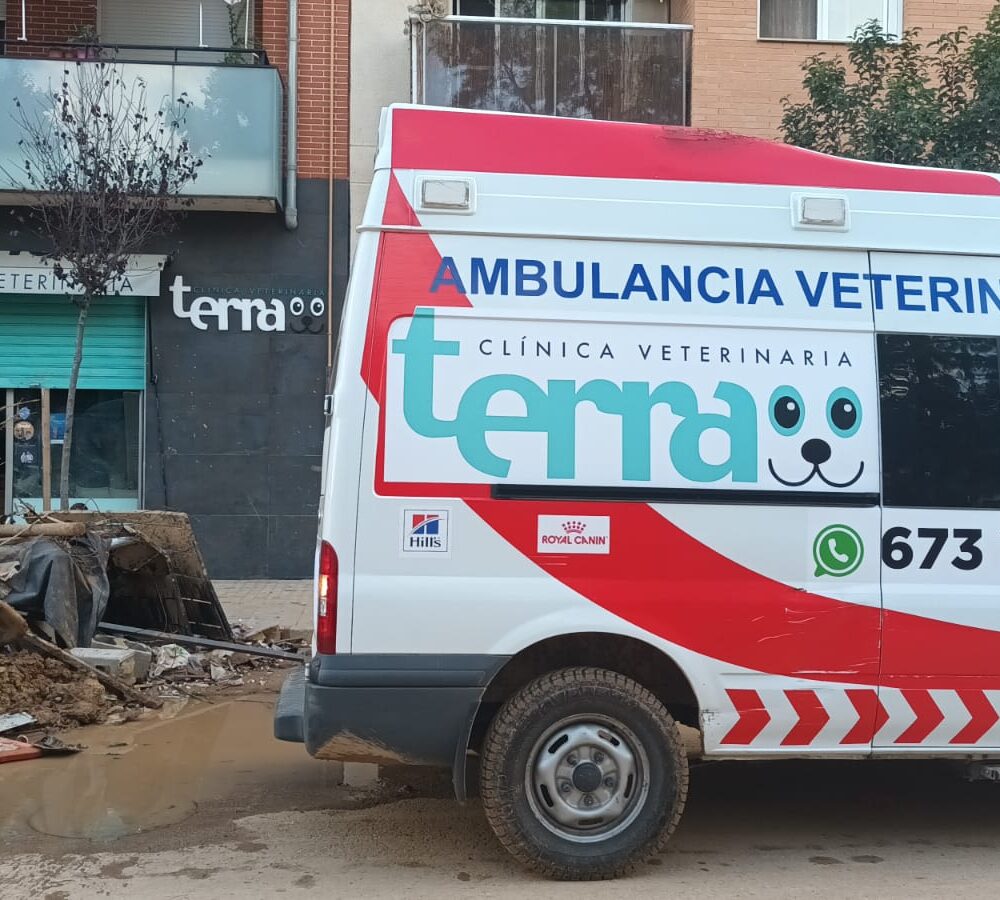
(679, 343)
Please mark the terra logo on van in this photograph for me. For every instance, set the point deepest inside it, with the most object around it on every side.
(726, 409)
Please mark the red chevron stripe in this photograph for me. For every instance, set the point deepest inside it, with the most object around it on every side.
(812, 717)
(984, 717)
(872, 716)
(753, 717)
(929, 716)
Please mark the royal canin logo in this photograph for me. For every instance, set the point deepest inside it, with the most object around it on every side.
(586, 535)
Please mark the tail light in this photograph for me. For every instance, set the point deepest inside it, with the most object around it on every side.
(326, 619)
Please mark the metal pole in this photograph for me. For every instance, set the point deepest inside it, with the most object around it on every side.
(292, 143)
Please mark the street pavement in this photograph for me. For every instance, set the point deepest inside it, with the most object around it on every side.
(259, 604)
(234, 814)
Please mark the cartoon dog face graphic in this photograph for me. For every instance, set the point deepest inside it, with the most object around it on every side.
(810, 444)
(306, 318)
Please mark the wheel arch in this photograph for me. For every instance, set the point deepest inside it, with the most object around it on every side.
(648, 665)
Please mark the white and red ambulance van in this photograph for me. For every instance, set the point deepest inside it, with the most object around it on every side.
(635, 427)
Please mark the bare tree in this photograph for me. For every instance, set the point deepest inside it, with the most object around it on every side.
(104, 171)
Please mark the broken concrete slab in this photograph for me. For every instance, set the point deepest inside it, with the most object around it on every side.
(118, 662)
(143, 652)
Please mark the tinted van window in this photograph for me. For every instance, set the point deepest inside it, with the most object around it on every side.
(940, 399)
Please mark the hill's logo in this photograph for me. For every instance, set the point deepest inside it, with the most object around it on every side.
(425, 531)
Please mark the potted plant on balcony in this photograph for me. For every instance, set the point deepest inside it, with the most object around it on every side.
(239, 34)
(86, 43)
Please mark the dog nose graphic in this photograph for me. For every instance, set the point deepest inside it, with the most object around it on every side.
(816, 451)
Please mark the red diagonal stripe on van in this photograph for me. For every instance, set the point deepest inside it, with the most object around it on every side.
(929, 716)
(983, 714)
(529, 145)
(753, 717)
(812, 717)
(660, 578)
(872, 716)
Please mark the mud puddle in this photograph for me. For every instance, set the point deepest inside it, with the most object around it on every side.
(138, 778)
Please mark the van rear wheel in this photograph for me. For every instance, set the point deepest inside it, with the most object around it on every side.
(583, 774)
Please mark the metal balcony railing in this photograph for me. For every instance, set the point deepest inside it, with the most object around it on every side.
(234, 120)
(620, 71)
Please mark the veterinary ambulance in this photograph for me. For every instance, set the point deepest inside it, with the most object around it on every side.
(636, 428)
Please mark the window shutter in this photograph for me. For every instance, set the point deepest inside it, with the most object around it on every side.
(173, 23)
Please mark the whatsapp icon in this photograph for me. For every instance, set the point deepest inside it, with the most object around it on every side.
(837, 551)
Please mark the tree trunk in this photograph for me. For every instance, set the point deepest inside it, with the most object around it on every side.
(74, 377)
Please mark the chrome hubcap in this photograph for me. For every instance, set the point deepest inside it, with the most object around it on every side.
(587, 778)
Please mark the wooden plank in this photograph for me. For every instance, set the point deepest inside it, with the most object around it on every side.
(14, 628)
(115, 685)
(15, 751)
(46, 450)
(44, 529)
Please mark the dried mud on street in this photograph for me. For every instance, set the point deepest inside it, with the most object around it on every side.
(208, 803)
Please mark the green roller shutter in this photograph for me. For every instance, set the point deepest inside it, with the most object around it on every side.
(37, 335)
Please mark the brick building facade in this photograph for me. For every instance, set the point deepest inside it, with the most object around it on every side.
(739, 79)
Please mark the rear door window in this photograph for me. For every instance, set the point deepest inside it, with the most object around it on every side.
(940, 404)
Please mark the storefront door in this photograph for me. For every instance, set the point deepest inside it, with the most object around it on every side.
(36, 350)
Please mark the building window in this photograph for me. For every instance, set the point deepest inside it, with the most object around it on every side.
(825, 20)
(576, 10)
(940, 403)
(106, 468)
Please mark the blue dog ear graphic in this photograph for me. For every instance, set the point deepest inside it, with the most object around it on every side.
(843, 412)
(786, 410)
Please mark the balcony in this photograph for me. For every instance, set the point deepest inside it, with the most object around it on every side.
(626, 72)
(234, 122)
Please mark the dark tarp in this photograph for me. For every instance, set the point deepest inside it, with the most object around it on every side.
(64, 583)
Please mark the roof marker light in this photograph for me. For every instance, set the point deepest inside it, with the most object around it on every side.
(820, 212)
(453, 195)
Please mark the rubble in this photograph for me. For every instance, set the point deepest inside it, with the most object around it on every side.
(143, 652)
(114, 661)
(157, 576)
(129, 596)
(15, 720)
(55, 696)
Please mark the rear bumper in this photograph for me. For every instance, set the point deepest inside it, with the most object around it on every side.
(289, 712)
(385, 708)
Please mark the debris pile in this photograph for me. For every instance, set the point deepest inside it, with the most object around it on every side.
(112, 617)
(53, 695)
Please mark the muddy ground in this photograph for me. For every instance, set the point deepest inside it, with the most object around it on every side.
(51, 692)
(206, 804)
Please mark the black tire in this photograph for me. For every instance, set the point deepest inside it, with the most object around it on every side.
(519, 811)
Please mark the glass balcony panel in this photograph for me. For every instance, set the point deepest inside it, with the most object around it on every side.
(234, 121)
(620, 72)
